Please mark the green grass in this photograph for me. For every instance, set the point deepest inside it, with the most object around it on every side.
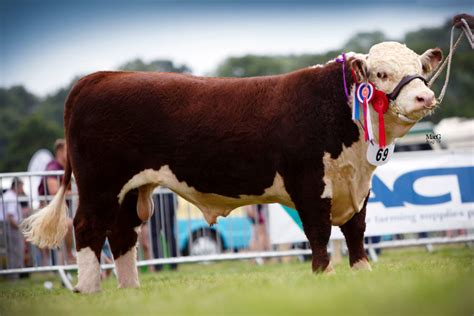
(403, 282)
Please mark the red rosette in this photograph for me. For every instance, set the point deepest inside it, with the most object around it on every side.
(380, 101)
(380, 105)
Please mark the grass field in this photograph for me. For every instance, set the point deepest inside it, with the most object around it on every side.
(403, 282)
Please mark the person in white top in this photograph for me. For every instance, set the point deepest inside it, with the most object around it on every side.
(10, 217)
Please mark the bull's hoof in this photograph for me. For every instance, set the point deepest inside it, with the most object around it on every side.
(328, 270)
(362, 264)
(78, 289)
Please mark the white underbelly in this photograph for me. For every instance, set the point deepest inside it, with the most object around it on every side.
(212, 205)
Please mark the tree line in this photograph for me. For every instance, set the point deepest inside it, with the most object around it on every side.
(28, 122)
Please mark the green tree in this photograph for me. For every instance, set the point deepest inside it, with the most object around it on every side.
(32, 134)
(155, 65)
(16, 103)
(51, 108)
(362, 42)
(255, 65)
(17, 98)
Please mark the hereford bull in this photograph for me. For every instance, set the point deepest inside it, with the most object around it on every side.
(222, 143)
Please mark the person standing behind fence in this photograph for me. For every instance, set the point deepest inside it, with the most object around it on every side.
(50, 185)
(258, 216)
(10, 209)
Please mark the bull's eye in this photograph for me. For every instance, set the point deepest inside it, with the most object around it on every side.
(381, 75)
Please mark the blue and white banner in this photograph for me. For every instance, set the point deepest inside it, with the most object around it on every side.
(415, 192)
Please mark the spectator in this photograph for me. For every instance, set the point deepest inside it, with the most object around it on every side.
(50, 185)
(258, 216)
(10, 210)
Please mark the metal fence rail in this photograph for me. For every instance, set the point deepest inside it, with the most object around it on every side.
(249, 255)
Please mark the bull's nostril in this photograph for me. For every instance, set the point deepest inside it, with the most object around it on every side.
(420, 99)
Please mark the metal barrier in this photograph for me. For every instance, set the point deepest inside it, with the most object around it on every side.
(177, 233)
(18, 199)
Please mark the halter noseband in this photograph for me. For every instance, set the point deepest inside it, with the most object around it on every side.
(405, 80)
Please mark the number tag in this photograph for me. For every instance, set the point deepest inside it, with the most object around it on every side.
(379, 156)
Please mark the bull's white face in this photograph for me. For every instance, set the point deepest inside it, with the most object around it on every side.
(386, 64)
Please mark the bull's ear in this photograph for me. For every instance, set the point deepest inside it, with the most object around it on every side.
(359, 65)
(430, 60)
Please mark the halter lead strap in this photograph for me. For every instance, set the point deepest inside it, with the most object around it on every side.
(405, 80)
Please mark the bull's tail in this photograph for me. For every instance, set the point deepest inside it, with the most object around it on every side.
(47, 227)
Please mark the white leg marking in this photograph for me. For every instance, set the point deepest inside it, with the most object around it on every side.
(362, 264)
(89, 271)
(126, 267)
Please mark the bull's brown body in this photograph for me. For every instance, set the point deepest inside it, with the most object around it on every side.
(224, 136)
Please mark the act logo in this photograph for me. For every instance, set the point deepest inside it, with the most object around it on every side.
(403, 188)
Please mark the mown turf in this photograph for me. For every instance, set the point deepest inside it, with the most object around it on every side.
(403, 282)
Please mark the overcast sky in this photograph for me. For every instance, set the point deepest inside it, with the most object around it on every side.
(44, 44)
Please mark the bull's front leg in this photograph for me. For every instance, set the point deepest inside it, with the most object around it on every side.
(353, 231)
(306, 188)
(316, 218)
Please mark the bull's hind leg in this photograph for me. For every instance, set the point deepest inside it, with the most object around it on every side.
(90, 236)
(123, 241)
(353, 231)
